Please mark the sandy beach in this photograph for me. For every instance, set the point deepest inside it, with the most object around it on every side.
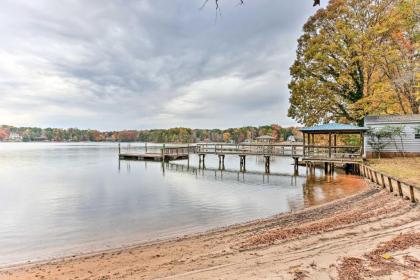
(372, 235)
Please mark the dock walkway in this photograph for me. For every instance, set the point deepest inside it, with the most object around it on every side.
(165, 154)
(152, 156)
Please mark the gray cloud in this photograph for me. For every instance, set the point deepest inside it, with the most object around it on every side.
(146, 63)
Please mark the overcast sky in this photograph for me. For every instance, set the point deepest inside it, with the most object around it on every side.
(147, 63)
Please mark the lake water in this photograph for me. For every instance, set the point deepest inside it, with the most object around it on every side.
(59, 199)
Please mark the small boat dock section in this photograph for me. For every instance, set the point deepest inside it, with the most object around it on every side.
(152, 156)
(165, 154)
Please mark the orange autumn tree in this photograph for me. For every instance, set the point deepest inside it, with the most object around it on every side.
(356, 57)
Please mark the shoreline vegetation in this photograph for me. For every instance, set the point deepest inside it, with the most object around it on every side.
(368, 234)
(171, 135)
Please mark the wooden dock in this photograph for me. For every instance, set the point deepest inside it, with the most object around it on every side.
(152, 156)
(310, 155)
(165, 154)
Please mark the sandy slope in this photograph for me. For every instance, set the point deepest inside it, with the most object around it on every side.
(338, 240)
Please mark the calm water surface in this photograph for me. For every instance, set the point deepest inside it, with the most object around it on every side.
(59, 199)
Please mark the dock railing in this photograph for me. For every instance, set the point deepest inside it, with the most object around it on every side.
(333, 152)
(178, 150)
(391, 183)
(251, 149)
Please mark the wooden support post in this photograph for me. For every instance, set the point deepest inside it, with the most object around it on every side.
(370, 174)
(412, 198)
(389, 183)
(242, 163)
(335, 144)
(119, 148)
(326, 168)
(362, 143)
(223, 162)
(304, 143)
(296, 166)
(376, 177)
(200, 161)
(400, 192)
(383, 180)
(329, 145)
(391, 189)
(145, 147)
(267, 164)
(162, 152)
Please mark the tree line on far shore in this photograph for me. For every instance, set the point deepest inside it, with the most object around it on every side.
(172, 135)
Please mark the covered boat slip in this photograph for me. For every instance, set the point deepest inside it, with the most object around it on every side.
(322, 144)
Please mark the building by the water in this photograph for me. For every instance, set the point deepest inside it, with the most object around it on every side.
(14, 137)
(407, 144)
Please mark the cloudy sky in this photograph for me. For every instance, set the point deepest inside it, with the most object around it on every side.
(135, 64)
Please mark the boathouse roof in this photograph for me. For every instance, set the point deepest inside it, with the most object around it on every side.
(334, 127)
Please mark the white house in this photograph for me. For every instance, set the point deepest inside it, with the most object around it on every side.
(408, 143)
(14, 137)
(291, 138)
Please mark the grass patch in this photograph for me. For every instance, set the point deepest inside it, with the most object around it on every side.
(406, 169)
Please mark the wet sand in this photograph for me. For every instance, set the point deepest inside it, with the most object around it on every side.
(371, 234)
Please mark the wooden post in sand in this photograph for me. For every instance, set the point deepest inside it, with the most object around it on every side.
(383, 180)
(391, 189)
(400, 192)
(376, 177)
(413, 199)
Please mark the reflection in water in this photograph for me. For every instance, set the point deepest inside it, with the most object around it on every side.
(317, 188)
(60, 198)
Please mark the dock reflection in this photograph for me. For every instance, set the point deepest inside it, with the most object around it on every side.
(315, 187)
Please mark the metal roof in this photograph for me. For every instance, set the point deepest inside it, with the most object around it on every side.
(334, 127)
(392, 119)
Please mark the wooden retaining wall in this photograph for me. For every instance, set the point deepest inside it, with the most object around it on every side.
(392, 184)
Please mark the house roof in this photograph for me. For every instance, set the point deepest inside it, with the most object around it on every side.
(333, 127)
(392, 119)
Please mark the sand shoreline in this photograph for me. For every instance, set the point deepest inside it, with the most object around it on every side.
(237, 251)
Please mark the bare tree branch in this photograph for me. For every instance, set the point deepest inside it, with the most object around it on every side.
(216, 2)
(242, 2)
